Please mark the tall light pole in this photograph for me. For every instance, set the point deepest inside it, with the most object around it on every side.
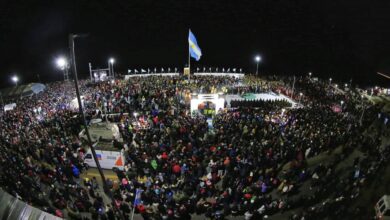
(257, 59)
(300, 97)
(111, 62)
(63, 64)
(15, 79)
(2, 102)
(73, 60)
(363, 109)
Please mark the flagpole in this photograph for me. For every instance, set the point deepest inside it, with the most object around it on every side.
(135, 200)
(189, 60)
(132, 213)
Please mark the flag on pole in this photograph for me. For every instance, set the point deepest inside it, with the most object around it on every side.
(169, 70)
(204, 69)
(223, 70)
(234, 70)
(175, 69)
(155, 70)
(197, 69)
(195, 51)
(210, 69)
(135, 71)
(148, 70)
(216, 70)
(129, 71)
(143, 71)
(162, 70)
(137, 199)
(228, 70)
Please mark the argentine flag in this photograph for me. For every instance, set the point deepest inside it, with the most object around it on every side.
(195, 51)
(137, 199)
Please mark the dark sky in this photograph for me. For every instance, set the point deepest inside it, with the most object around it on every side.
(342, 39)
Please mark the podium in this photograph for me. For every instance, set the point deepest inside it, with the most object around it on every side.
(186, 71)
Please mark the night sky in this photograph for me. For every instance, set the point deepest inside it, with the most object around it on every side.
(338, 39)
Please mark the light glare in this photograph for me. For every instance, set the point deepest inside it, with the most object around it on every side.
(15, 79)
(61, 62)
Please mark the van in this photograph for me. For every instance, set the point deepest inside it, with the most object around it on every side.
(108, 159)
(104, 134)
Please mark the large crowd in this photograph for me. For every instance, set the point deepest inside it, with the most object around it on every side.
(251, 162)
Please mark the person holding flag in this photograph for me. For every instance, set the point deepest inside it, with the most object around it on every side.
(137, 201)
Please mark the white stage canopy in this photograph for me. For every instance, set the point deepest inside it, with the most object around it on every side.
(237, 75)
(151, 74)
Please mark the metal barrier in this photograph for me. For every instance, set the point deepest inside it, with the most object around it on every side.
(12, 208)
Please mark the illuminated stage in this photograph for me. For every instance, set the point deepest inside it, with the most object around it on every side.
(207, 104)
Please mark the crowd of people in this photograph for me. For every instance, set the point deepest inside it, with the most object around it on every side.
(250, 162)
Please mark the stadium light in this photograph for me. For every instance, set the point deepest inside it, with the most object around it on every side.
(111, 62)
(15, 79)
(257, 59)
(61, 63)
